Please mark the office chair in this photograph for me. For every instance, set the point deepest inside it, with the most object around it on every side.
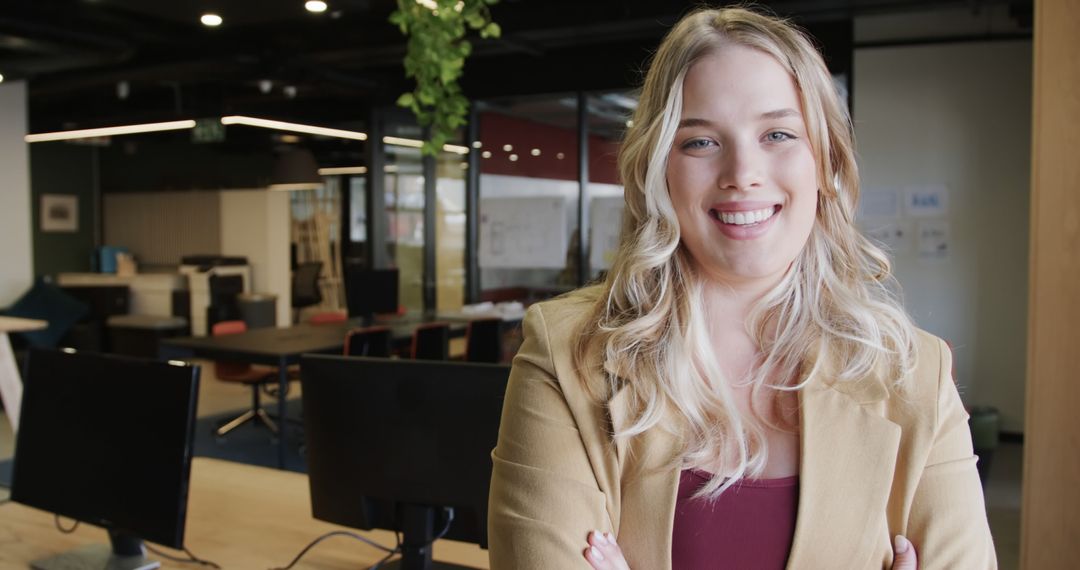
(483, 341)
(327, 318)
(305, 287)
(244, 373)
(431, 341)
(224, 305)
(369, 341)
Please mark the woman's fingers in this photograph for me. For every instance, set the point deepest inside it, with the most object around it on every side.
(604, 553)
(904, 557)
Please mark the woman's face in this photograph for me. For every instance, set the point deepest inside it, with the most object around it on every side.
(741, 173)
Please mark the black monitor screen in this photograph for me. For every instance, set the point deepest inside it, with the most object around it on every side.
(382, 433)
(107, 440)
(370, 291)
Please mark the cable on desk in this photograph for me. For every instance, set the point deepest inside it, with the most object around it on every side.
(390, 551)
(56, 521)
(191, 559)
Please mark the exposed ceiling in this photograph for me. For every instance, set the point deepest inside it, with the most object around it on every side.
(98, 62)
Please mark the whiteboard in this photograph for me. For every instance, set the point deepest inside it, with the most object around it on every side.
(605, 221)
(524, 232)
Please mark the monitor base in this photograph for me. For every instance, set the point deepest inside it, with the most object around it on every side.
(94, 557)
(434, 565)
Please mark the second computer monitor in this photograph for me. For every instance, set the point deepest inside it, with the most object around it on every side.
(395, 444)
(370, 291)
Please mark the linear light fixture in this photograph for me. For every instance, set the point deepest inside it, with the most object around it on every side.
(398, 141)
(110, 131)
(296, 186)
(293, 127)
(334, 170)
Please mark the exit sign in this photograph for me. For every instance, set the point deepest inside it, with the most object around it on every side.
(208, 131)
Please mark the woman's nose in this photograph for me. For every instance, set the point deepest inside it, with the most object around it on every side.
(741, 168)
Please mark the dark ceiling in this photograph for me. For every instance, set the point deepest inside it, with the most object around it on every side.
(330, 68)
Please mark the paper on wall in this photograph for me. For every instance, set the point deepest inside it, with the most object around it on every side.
(926, 201)
(879, 203)
(895, 236)
(934, 242)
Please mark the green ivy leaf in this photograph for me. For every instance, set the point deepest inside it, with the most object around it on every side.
(491, 30)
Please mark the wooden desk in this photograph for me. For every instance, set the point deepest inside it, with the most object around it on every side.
(239, 516)
(10, 379)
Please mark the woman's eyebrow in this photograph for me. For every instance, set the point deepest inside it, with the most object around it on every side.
(694, 122)
(780, 114)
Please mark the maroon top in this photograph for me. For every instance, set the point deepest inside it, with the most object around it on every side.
(751, 525)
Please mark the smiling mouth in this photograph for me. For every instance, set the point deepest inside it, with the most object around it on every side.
(746, 219)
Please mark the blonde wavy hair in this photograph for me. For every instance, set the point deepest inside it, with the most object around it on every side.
(647, 331)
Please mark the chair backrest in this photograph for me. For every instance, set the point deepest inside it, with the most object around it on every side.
(225, 369)
(483, 341)
(305, 285)
(368, 341)
(327, 318)
(431, 341)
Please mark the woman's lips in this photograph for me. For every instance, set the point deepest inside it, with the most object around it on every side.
(745, 220)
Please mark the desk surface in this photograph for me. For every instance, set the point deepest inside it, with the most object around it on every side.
(239, 516)
(270, 345)
(16, 324)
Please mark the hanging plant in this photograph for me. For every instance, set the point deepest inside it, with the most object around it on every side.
(435, 57)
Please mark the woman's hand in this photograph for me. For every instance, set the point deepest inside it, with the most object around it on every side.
(904, 554)
(604, 553)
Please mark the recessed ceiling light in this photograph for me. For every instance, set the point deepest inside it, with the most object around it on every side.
(477, 144)
(211, 20)
(513, 158)
(560, 156)
(1, 77)
(486, 154)
(535, 152)
(508, 147)
(317, 6)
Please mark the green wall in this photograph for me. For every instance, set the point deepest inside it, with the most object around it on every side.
(66, 169)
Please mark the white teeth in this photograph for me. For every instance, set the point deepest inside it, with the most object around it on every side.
(746, 218)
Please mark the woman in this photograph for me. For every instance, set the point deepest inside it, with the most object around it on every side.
(742, 391)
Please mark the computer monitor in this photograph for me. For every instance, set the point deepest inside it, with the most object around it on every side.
(396, 444)
(107, 440)
(370, 291)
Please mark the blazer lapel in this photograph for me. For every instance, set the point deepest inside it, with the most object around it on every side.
(649, 490)
(847, 464)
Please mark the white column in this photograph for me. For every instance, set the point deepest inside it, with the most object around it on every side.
(16, 246)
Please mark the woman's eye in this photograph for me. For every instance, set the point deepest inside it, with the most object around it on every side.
(778, 136)
(696, 144)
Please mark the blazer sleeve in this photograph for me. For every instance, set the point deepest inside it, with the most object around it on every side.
(544, 497)
(948, 523)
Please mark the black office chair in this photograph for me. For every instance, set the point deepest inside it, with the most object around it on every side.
(223, 299)
(431, 341)
(305, 287)
(483, 341)
(369, 341)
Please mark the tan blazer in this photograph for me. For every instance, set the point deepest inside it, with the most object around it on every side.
(873, 464)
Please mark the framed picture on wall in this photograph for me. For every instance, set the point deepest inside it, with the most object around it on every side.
(59, 213)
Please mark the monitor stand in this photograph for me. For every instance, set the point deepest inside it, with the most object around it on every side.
(418, 533)
(125, 553)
